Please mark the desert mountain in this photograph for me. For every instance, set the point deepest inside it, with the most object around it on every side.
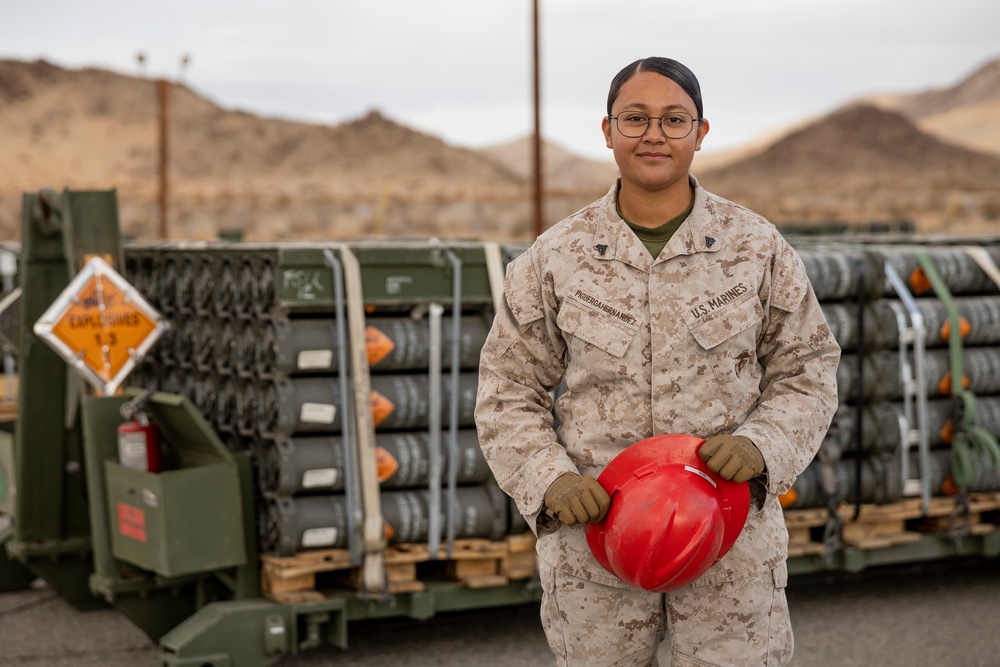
(982, 86)
(563, 171)
(272, 179)
(967, 113)
(75, 113)
(863, 163)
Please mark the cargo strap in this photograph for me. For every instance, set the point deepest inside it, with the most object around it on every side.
(455, 398)
(861, 301)
(828, 480)
(352, 488)
(495, 273)
(915, 385)
(374, 576)
(434, 482)
(434, 439)
(970, 441)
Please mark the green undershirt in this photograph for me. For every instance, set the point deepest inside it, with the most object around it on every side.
(654, 238)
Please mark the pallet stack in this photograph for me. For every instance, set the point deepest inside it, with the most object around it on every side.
(883, 476)
(473, 563)
(262, 345)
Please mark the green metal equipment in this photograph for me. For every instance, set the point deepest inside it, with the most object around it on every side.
(176, 551)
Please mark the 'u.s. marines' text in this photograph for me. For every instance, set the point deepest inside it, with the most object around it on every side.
(718, 301)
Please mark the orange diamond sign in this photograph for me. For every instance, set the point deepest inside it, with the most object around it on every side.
(101, 325)
(378, 345)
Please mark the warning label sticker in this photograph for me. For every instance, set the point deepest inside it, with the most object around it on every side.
(378, 345)
(318, 413)
(385, 463)
(132, 522)
(319, 537)
(382, 407)
(919, 282)
(320, 478)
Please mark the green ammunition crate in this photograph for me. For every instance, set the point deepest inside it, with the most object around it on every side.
(184, 520)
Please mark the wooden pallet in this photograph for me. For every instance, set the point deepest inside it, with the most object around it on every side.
(480, 563)
(803, 526)
(8, 404)
(520, 562)
(900, 522)
(878, 526)
(475, 563)
(944, 515)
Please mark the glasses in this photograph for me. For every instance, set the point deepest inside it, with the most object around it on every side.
(675, 125)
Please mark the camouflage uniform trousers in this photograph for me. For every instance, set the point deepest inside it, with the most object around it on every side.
(742, 623)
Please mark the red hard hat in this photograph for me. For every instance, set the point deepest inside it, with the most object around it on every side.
(671, 518)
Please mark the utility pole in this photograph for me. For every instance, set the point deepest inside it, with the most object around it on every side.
(163, 95)
(537, 139)
(163, 115)
(162, 86)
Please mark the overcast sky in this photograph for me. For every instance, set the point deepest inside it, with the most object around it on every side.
(462, 69)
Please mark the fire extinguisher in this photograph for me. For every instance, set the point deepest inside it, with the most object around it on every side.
(138, 439)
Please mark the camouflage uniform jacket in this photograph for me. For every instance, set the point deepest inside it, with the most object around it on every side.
(722, 333)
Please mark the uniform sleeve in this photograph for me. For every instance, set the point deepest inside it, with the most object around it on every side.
(521, 362)
(799, 386)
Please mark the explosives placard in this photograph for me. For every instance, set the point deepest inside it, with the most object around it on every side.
(100, 325)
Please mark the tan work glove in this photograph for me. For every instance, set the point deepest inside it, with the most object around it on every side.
(733, 457)
(577, 499)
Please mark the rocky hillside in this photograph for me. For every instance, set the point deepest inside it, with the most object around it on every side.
(563, 171)
(921, 157)
(269, 178)
(862, 163)
(967, 113)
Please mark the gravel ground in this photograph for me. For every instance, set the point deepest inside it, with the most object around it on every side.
(932, 615)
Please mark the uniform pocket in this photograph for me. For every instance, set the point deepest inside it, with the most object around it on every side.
(780, 575)
(728, 337)
(599, 325)
(732, 320)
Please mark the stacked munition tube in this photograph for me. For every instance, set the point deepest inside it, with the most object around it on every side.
(894, 379)
(299, 416)
(303, 522)
(267, 375)
(883, 428)
(305, 465)
(399, 402)
(276, 378)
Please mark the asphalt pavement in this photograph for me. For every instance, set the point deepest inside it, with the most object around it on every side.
(932, 615)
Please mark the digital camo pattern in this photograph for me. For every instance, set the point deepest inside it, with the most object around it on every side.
(722, 333)
(741, 623)
(587, 623)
